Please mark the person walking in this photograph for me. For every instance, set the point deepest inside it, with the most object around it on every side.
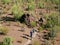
(33, 30)
(31, 34)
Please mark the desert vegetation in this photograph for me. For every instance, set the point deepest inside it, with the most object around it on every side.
(3, 30)
(20, 19)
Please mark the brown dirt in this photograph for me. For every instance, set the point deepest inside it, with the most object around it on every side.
(15, 33)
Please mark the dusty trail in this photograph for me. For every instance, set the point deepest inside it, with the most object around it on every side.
(29, 41)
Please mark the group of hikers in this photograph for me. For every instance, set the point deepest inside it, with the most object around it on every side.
(26, 18)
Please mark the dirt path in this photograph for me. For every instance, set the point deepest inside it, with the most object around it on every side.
(29, 41)
(16, 33)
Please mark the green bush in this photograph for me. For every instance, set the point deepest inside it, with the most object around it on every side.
(57, 28)
(17, 12)
(3, 30)
(31, 6)
(7, 41)
(52, 20)
(33, 24)
(59, 20)
(55, 1)
(46, 0)
(29, 1)
(48, 25)
(19, 2)
(40, 28)
(53, 33)
(6, 1)
(41, 5)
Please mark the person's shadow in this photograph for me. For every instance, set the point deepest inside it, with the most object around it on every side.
(8, 19)
(26, 36)
(2, 33)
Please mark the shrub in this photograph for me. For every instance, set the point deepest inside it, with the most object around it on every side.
(19, 2)
(45, 42)
(3, 30)
(7, 41)
(29, 1)
(17, 12)
(52, 33)
(59, 20)
(40, 28)
(6, 1)
(57, 28)
(49, 22)
(41, 5)
(33, 24)
(55, 1)
(35, 43)
(31, 6)
(48, 25)
(46, 0)
(52, 20)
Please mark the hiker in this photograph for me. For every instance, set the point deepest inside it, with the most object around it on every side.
(33, 30)
(31, 34)
(27, 19)
(41, 21)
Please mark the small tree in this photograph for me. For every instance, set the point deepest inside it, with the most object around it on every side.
(17, 12)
